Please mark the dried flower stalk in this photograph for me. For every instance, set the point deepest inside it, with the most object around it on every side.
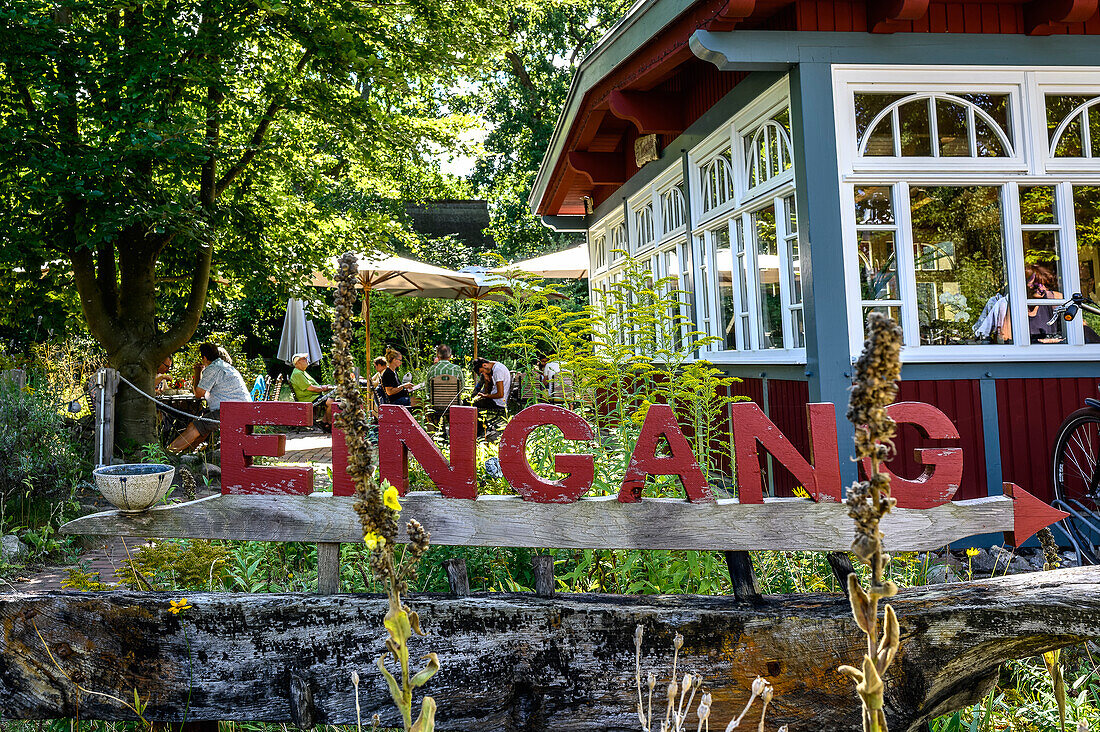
(875, 388)
(379, 508)
(681, 695)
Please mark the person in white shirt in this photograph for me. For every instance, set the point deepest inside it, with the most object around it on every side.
(217, 382)
(495, 398)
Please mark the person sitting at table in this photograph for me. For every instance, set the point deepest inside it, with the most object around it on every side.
(162, 379)
(443, 366)
(217, 382)
(306, 389)
(393, 390)
(499, 378)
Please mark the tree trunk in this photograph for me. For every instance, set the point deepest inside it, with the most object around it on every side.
(136, 415)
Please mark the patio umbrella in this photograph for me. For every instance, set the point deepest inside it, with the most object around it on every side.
(299, 335)
(402, 276)
(567, 264)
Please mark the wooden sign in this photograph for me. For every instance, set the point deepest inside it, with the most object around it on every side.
(276, 503)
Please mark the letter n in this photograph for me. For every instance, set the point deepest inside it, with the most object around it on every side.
(752, 427)
(399, 434)
(660, 421)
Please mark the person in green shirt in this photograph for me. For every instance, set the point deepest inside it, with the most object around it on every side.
(306, 388)
(443, 366)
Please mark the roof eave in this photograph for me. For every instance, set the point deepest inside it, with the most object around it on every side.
(612, 50)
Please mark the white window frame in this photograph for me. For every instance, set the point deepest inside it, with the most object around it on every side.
(1031, 165)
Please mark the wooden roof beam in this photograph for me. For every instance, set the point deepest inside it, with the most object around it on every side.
(732, 13)
(604, 169)
(650, 111)
(890, 16)
(1044, 17)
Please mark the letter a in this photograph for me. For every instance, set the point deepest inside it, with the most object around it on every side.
(660, 421)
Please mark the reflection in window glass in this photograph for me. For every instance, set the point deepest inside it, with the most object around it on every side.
(878, 266)
(916, 135)
(960, 274)
(723, 257)
(952, 129)
(995, 105)
(890, 312)
(1086, 208)
(867, 107)
(873, 205)
(1037, 205)
(1059, 106)
(767, 267)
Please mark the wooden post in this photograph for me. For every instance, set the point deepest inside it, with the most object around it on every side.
(457, 577)
(328, 568)
(842, 567)
(13, 378)
(739, 564)
(543, 564)
(104, 389)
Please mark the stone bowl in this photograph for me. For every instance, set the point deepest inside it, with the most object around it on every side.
(134, 487)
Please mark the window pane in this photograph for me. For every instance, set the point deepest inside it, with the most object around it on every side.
(796, 270)
(1069, 144)
(1037, 205)
(890, 312)
(867, 106)
(878, 266)
(959, 252)
(723, 256)
(986, 142)
(799, 328)
(767, 265)
(916, 137)
(1086, 207)
(1041, 265)
(952, 129)
(1058, 108)
(995, 105)
(873, 205)
(1094, 129)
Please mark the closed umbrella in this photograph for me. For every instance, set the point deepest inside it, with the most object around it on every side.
(299, 335)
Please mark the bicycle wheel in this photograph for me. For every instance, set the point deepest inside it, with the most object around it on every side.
(1076, 466)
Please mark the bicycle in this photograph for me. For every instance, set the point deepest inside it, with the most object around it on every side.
(1075, 464)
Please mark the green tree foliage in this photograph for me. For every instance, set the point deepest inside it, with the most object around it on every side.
(149, 146)
(519, 99)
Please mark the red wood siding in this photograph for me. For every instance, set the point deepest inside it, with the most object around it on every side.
(1030, 411)
(961, 402)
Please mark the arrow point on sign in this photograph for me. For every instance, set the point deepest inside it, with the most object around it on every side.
(1029, 515)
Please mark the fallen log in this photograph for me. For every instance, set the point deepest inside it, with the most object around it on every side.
(517, 662)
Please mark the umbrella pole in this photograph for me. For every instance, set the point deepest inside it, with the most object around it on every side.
(366, 321)
(475, 330)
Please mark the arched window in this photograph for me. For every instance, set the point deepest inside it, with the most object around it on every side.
(1074, 133)
(672, 208)
(768, 151)
(599, 248)
(643, 223)
(717, 181)
(938, 125)
(618, 242)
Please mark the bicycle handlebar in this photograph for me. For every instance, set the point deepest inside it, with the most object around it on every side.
(1068, 310)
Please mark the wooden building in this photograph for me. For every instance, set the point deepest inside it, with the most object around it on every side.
(816, 159)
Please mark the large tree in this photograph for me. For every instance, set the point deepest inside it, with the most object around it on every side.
(519, 99)
(147, 144)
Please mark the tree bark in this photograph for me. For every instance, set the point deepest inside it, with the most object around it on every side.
(516, 662)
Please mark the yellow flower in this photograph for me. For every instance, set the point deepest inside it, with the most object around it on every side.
(972, 552)
(390, 499)
(178, 606)
(374, 541)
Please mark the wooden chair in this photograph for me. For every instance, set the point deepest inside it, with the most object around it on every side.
(444, 392)
(561, 388)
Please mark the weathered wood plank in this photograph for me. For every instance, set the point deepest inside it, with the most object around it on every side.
(543, 566)
(516, 662)
(742, 576)
(782, 524)
(328, 568)
(457, 577)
